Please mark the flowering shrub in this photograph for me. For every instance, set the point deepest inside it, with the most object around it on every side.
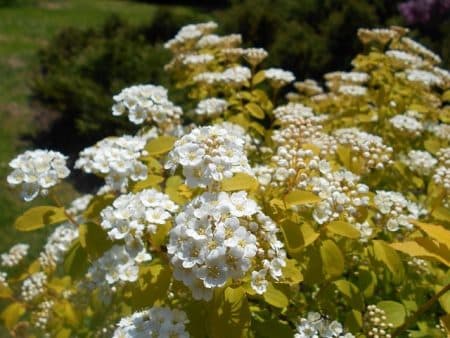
(234, 214)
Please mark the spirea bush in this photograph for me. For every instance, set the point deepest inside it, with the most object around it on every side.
(239, 213)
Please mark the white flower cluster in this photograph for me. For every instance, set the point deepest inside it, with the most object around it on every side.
(155, 322)
(395, 210)
(442, 174)
(42, 314)
(34, 286)
(15, 255)
(189, 34)
(417, 48)
(375, 322)
(279, 77)
(370, 147)
(315, 326)
(341, 193)
(405, 59)
(207, 155)
(133, 216)
(421, 162)
(255, 56)
(116, 158)
(211, 107)
(147, 103)
(196, 59)
(235, 76)
(37, 171)
(79, 205)
(220, 236)
(441, 130)
(352, 90)
(424, 77)
(380, 35)
(407, 124)
(347, 77)
(117, 265)
(365, 230)
(213, 40)
(58, 243)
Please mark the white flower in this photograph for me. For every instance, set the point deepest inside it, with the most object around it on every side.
(315, 326)
(208, 154)
(116, 158)
(155, 322)
(211, 107)
(406, 124)
(421, 162)
(15, 255)
(34, 286)
(220, 236)
(279, 77)
(424, 77)
(352, 90)
(58, 243)
(37, 171)
(147, 103)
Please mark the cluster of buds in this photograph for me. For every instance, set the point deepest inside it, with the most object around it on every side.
(376, 324)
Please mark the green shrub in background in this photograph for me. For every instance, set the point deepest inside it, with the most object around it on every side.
(81, 69)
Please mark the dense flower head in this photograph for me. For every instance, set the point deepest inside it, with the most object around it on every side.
(155, 322)
(235, 76)
(132, 216)
(315, 325)
(407, 124)
(34, 286)
(58, 243)
(441, 130)
(404, 59)
(115, 158)
(421, 162)
(211, 107)
(308, 87)
(255, 56)
(15, 255)
(37, 171)
(208, 155)
(189, 34)
(117, 265)
(346, 77)
(352, 90)
(279, 77)
(395, 211)
(424, 77)
(442, 174)
(415, 47)
(380, 35)
(220, 236)
(147, 103)
(375, 154)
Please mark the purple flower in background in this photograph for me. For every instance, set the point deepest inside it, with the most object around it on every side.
(421, 11)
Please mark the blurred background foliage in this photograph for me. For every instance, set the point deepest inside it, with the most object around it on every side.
(62, 61)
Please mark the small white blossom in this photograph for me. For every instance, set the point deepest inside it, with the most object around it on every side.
(37, 171)
(34, 286)
(15, 255)
(155, 322)
(316, 326)
(211, 107)
(279, 77)
(421, 162)
(407, 124)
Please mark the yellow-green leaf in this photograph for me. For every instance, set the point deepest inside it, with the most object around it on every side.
(275, 297)
(300, 197)
(258, 78)
(332, 258)
(442, 214)
(395, 312)
(75, 261)
(291, 273)
(297, 236)
(446, 96)
(5, 291)
(255, 110)
(160, 145)
(343, 229)
(12, 313)
(424, 248)
(94, 239)
(351, 293)
(229, 314)
(240, 181)
(149, 182)
(436, 232)
(384, 253)
(38, 217)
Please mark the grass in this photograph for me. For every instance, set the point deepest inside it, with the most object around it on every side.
(23, 30)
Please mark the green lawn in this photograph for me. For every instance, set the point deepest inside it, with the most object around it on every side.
(23, 30)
